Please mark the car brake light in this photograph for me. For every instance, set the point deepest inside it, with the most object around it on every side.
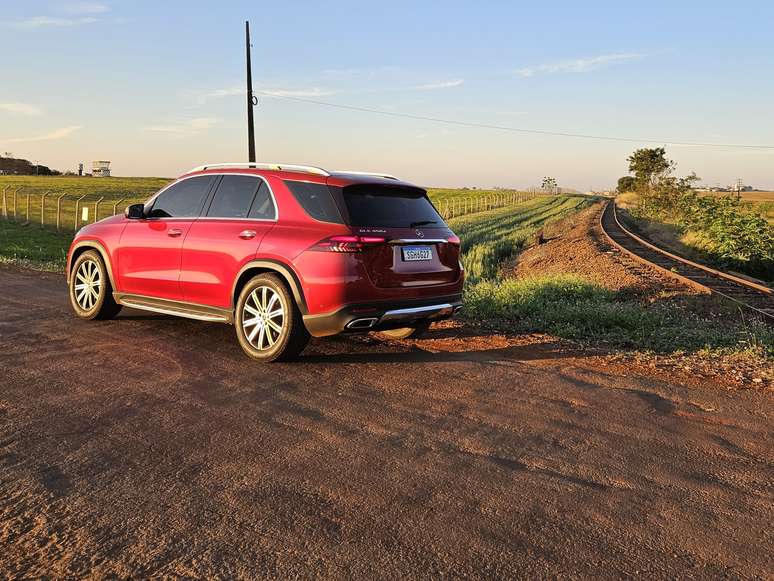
(347, 243)
(453, 239)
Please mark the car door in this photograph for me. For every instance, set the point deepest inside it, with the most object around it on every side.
(225, 237)
(151, 248)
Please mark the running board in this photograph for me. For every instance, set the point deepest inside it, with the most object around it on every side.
(177, 308)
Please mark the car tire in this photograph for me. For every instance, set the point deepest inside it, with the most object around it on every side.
(269, 325)
(91, 294)
(413, 332)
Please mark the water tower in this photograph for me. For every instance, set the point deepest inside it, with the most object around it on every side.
(100, 169)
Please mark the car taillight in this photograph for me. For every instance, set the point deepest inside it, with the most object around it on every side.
(347, 243)
(453, 239)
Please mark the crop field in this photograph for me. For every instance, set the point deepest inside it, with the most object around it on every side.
(66, 203)
(492, 236)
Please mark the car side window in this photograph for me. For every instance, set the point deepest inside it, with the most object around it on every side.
(183, 199)
(317, 201)
(263, 205)
(234, 196)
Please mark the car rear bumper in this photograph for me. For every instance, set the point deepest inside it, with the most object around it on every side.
(381, 316)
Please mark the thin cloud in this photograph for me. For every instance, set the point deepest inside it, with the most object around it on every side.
(239, 90)
(49, 21)
(188, 127)
(84, 8)
(440, 85)
(311, 92)
(581, 65)
(20, 108)
(53, 135)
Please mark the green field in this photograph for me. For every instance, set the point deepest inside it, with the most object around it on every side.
(111, 188)
(572, 307)
(23, 198)
(492, 236)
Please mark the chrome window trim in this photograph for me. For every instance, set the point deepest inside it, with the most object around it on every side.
(152, 199)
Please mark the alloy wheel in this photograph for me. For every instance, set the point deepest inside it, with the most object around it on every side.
(263, 318)
(88, 284)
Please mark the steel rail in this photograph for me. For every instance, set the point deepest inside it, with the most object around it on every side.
(703, 278)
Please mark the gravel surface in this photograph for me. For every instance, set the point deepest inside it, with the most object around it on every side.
(150, 445)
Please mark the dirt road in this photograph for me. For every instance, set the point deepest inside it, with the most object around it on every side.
(151, 446)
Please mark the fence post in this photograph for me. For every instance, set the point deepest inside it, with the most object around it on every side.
(96, 208)
(15, 198)
(115, 205)
(59, 211)
(77, 203)
(5, 203)
(27, 221)
(43, 209)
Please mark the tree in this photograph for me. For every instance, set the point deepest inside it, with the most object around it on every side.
(649, 166)
(549, 184)
(626, 184)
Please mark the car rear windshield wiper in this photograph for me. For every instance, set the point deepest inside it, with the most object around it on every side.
(422, 223)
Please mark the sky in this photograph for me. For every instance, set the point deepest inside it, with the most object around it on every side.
(158, 87)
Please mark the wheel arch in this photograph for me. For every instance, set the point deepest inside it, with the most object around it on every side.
(85, 246)
(256, 267)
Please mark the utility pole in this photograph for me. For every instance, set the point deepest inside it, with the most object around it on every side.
(251, 99)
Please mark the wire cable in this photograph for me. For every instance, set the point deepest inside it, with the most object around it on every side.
(511, 129)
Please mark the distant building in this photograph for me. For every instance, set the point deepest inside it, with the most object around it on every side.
(100, 169)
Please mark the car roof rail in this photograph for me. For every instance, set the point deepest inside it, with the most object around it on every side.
(264, 165)
(377, 174)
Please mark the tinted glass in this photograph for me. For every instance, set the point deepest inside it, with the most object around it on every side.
(389, 207)
(263, 207)
(233, 197)
(183, 199)
(317, 200)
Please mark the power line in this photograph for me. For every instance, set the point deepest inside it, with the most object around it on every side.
(511, 129)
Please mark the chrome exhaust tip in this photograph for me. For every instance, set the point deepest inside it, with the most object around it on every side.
(366, 323)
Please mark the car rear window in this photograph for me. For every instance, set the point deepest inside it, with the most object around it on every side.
(389, 207)
(317, 201)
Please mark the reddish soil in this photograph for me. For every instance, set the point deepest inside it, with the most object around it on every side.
(150, 446)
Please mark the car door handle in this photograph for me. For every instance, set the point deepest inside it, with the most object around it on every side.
(174, 232)
(247, 234)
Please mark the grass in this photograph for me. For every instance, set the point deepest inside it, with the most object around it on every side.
(442, 195)
(132, 190)
(571, 307)
(490, 237)
(111, 190)
(33, 247)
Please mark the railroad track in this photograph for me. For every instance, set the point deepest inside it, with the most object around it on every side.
(750, 295)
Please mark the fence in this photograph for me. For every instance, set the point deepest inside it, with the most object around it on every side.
(460, 206)
(69, 212)
(63, 212)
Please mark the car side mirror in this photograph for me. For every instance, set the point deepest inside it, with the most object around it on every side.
(135, 212)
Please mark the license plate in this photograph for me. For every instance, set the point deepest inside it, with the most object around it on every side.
(415, 253)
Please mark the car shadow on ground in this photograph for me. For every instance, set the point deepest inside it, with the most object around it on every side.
(447, 341)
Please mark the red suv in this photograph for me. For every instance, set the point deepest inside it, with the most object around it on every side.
(282, 252)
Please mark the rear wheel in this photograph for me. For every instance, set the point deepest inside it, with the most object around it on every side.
(91, 295)
(269, 326)
(412, 332)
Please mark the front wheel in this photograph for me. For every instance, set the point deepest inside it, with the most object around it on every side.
(91, 295)
(412, 332)
(268, 323)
